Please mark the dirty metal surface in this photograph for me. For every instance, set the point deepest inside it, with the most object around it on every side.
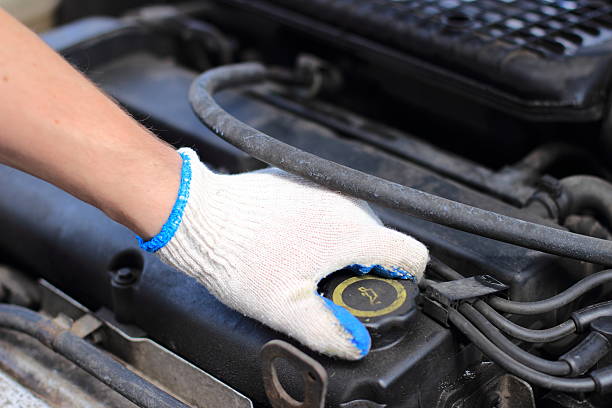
(54, 379)
(167, 370)
(515, 393)
(155, 363)
(14, 395)
(312, 372)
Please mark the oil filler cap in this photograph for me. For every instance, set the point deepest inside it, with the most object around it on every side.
(379, 303)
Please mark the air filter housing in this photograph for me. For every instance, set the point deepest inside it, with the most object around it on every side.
(538, 59)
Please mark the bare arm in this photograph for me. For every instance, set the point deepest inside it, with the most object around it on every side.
(56, 125)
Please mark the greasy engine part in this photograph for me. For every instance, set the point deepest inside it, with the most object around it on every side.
(86, 356)
(51, 377)
(61, 383)
(71, 244)
(150, 360)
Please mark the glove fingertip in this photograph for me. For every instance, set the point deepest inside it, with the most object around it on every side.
(359, 269)
(360, 336)
(391, 273)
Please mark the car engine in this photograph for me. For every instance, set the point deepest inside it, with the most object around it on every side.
(482, 128)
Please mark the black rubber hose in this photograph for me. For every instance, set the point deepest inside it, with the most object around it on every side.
(588, 193)
(555, 302)
(88, 357)
(514, 367)
(545, 156)
(584, 317)
(523, 333)
(443, 270)
(560, 368)
(371, 188)
(513, 329)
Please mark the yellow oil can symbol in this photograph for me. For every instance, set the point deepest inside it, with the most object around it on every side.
(370, 294)
(375, 297)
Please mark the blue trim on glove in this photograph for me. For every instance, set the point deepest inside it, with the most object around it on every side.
(360, 336)
(174, 220)
(393, 273)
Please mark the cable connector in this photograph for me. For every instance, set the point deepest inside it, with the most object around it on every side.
(592, 349)
(603, 380)
(583, 318)
(441, 296)
(587, 353)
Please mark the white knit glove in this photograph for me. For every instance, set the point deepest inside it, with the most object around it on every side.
(261, 241)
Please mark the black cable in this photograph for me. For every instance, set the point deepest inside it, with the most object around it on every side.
(511, 365)
(555, 302)
(561, 368)
(443, 270)
(584, 317)
(502, 323)
(371, 188)
(547, 155)
(523, 333)
(588, 193)
(88, 357)
(578, 323)
(404, 146)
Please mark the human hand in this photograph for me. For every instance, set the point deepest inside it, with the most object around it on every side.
(261, 241)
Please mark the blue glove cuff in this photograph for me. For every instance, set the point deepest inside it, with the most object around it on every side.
(176, 216)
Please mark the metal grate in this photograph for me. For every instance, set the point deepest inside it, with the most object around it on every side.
(547, 27)
(558, 27)
(539, 60)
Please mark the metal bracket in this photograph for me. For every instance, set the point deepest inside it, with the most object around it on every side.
(313, 374)
(131, 347)
(514, 392)
(85, 325)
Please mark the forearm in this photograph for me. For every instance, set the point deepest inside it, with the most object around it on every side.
(58, 126)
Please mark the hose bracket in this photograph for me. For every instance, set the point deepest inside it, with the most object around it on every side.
(441, 296)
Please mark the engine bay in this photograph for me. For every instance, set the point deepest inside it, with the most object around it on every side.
(486, 126)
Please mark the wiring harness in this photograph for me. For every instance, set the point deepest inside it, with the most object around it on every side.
(473, 311)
